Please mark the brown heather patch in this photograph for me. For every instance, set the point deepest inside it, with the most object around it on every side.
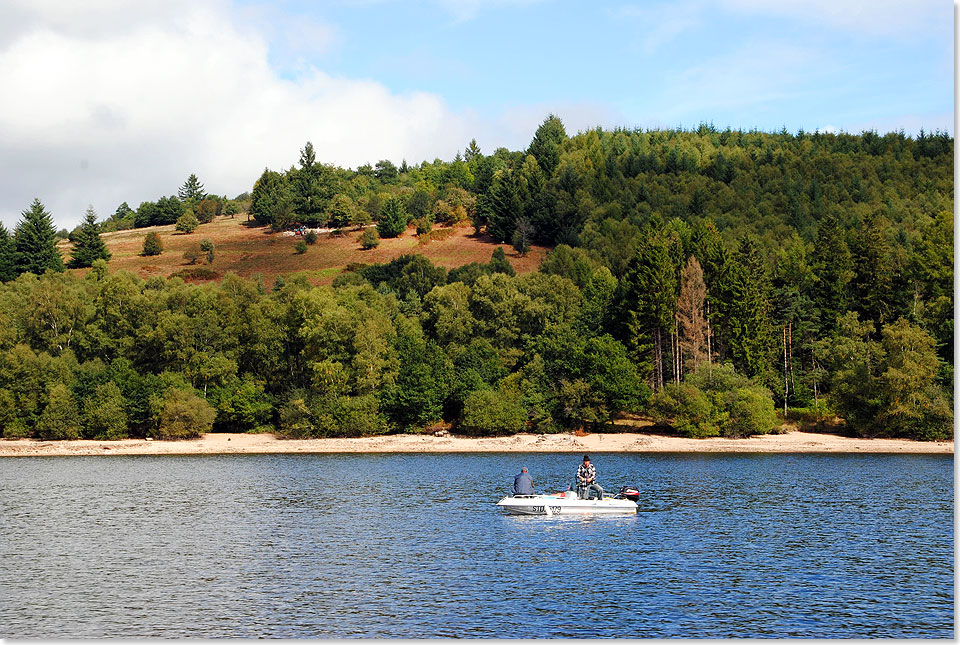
(247, 250)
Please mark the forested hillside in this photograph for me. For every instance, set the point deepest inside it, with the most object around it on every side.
(705, 278)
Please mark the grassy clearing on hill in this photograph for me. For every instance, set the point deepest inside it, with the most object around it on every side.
(248, 250)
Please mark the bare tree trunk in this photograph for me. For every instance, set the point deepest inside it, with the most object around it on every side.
(793, 382)
(658, 358)
(709, 337)
(786, 378)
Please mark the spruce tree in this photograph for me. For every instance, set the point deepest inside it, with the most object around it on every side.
(650, 301)
(750, 328)
(545, 146)
(191, 189)
(88, 245)
(36, 242)
(8, 256)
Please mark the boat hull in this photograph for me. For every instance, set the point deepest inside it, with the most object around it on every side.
(556, 505)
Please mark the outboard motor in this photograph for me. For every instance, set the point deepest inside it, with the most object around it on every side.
(629, 492)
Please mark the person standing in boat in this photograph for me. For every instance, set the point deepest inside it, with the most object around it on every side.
(523, 483)
(587, 480)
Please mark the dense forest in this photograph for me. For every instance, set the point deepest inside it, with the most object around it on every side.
(716, 281)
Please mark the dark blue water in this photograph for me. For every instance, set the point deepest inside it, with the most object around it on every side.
(413, 546)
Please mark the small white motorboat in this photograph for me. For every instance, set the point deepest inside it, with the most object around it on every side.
(568, 503)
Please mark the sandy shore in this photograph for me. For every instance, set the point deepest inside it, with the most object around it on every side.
(212, 444)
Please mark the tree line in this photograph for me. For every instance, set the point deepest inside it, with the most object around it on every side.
(702, 277)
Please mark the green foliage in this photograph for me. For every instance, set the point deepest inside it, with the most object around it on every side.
(887, 387)
(793, 233)
(191, 189)
(499, 263)
(393, 218)
(181, 414)
(207, 210)
(310, 237)
(715, 400)
(271, 200)
(300, 248)
(187, 223)
(88, 247)
(152, 244)
(342, 212)
(546, 143)
(242, 405)
(424, 225)
(490, 412)
(207, 247)
(105, 414)
(60, 418)
(8, 255)
(369, 239)
(35, 243)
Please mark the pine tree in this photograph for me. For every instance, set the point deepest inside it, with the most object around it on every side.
(191, 189)
(36, 242)
(88, 245)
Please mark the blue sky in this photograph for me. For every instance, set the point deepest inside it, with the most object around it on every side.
(108, 101)
(743, 64)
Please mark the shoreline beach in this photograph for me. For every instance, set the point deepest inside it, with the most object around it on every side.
(224, 443)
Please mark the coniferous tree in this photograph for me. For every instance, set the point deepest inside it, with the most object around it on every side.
(393, 218)
(833, 267)
(472, 151)
(191, 189)
(88, 245)
(545, 146)
(870, 283)
(750, 310)
(650, 294)
(271, 201)
(505, 206)
(8, 256)
(36, 242)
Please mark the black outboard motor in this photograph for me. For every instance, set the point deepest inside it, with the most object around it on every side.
(629, 492)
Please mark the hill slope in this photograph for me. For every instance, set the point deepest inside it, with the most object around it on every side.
(250, 250)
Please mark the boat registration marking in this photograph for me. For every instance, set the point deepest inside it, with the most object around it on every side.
(541, 509)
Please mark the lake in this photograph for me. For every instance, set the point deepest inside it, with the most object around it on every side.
(326, 546)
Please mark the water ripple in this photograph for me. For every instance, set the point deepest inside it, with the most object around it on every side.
(826, 546)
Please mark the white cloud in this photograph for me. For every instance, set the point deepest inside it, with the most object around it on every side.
(660, 24)
(753, 79)
(107, 101)
(103, 115)
(887, 18)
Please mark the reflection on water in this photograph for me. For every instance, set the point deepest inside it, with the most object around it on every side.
(413, 546)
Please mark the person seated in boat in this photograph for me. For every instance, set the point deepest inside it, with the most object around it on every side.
(587, 485)
(523, 483)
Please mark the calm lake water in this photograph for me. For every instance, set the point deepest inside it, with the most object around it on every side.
(413, 546)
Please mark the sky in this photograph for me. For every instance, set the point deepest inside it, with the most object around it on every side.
(111, 101)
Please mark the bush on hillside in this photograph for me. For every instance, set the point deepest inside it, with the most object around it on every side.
(152, 245)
